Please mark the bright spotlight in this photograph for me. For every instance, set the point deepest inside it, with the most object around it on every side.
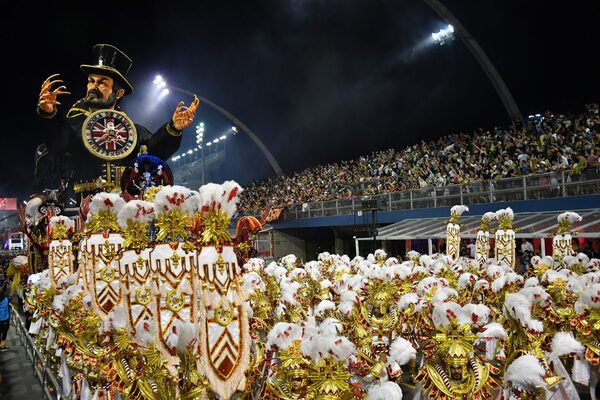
(208, 144)
(443, 35)
(234, 129)
(157, 80)
(163, 93)
(223, 137)
(216, 140)
(190, 151)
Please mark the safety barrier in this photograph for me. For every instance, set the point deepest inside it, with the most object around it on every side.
(51, 389)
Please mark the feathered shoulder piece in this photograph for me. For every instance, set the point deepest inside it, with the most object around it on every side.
(456, 212)
(102, 216)
(565, 220)
(505, 217)
(60, 227)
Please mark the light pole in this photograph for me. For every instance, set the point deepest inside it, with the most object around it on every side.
(486, 64)
(161, 83)
(199, 142)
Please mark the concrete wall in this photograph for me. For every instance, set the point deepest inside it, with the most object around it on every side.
(284, 244)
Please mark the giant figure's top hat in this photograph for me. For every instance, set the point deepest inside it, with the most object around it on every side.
(112, 62)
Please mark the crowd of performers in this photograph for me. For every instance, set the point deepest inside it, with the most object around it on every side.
(154, 300)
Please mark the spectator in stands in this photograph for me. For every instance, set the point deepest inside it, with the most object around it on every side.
(526, 246)
(549, 143)
(4, 318)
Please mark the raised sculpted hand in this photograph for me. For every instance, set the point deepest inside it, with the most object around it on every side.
(184, 116)
(47, 99)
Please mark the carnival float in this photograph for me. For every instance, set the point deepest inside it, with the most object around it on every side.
(154, 299)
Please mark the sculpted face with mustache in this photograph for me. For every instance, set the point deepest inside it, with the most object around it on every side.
(101, 92)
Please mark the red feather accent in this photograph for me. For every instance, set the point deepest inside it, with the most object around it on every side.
(232, 194)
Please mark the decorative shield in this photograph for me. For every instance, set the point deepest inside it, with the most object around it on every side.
(102, 270)
(109, 134)
(482, 247)
(453, 241)
(505, 246)
(174, 278)
(561, 247)
(137, 274)
(60, 259)
(223, 322)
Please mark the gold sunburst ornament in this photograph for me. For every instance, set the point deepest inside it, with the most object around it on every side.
(172, 225)
(136, 236)
(214, 224)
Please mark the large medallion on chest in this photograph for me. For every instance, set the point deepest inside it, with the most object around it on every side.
(109, 134)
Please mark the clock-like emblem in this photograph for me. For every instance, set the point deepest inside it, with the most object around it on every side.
(109, 134)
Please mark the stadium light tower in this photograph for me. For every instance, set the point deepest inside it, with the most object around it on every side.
(200, 144)
(162, 84)
(492, 73)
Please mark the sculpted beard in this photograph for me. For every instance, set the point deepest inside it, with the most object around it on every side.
(94, 99)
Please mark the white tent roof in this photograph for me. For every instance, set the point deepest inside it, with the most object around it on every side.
(526, 225)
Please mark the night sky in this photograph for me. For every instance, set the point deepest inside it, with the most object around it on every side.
(317, 80)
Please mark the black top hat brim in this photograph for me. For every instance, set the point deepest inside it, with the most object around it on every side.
(110, 71)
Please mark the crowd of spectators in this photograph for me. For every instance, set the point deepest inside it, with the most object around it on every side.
(548, 143)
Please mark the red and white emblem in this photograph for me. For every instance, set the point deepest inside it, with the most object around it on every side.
(109, 134)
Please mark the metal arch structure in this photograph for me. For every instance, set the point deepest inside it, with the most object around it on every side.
(239, 123)
(490, 70)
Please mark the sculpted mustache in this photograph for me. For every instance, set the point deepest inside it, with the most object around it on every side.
(96, 92)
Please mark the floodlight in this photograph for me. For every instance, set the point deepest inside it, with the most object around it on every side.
(443, 35)
(223, 137)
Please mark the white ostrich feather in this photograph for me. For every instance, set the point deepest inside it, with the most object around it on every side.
(58, 303)
(536, 295)
(106, 201)
(116, 319)
(571, 217)
(253, 282)
(490, 216)
(458, 210)
(476, 314)
(331, 327)
(145, 331)
(406, 300)
(380, 254)
(482, 284)
(533, 281)
(171, 198)
(136, 211)
(525, 371)
(187, 333)
(466, 280)
(283, 334)
(591, 296)
(19, 260)
(324, 306)
(391, 261)
(385, 391)
(297, 273)
(443, 294)
(499, 283)
(493, 330)
(401, 352)
(444, 313)
(563, 343)
(505, 213)
(230, 197)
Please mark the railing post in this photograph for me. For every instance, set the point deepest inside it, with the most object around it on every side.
(434, 198)
(491, 191)
(411, 199)
(461, 194)
(562, 181)
(389, 202)
(524, 188)
(337, 210)
(322, 209)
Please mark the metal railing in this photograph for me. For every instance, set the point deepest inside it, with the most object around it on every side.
(528, 187)
(51, 389)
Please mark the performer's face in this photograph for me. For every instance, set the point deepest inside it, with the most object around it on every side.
(100, 92)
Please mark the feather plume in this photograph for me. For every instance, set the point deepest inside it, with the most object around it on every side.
(230, 197)
(106, 201)
(385, 391)
(401, 352)
(525, 371)
(458, 210)
(62, 220)
(171, 198)
(324, 306)
(563, 343)
(493, 330)
(137, 211)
